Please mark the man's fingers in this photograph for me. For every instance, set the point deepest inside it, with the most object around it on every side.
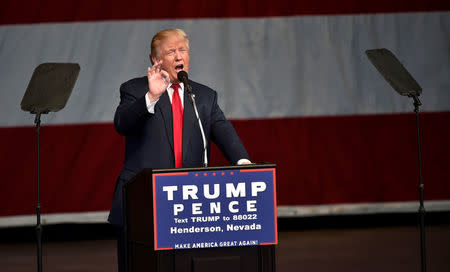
(159, 65)
(165, 75)
(152, 71)
(155, 66)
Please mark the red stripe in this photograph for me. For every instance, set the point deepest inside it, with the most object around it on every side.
(169, 174)
(320, 160)
(79, 167)
(35, 11)
(258, 170)
(351, 159)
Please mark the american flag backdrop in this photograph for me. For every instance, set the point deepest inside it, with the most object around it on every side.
(291, 75)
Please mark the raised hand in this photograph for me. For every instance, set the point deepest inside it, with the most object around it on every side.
(158, 81)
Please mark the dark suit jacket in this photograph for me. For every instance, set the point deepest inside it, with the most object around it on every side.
(149, 137)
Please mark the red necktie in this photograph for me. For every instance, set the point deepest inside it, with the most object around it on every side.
(177, 112)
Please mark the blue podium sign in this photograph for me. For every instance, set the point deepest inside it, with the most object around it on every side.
(223, 208)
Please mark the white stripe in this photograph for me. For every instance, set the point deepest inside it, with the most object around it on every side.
(58, 218)
(282, 211)
(262, 67)
(362, 208)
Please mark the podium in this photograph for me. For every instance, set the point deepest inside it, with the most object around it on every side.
(201, 219)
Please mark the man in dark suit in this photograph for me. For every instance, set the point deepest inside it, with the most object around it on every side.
(158, 121)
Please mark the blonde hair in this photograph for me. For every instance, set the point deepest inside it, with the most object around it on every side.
(162, 36)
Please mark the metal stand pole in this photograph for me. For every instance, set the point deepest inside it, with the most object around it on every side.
(37, 121)
(205, 145)
(421, 211)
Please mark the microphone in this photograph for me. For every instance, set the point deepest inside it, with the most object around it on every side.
(183, 77)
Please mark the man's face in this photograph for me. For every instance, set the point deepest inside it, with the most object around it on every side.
(174, 54)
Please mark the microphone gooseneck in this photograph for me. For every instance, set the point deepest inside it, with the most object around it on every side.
(183, 77)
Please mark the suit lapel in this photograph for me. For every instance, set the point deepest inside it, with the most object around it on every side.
(189, 120)
(166, 111)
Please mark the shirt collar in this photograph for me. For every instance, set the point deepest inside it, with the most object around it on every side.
(181, 85)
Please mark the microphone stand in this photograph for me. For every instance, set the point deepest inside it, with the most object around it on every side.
(421, 211)
(192, 98)
(402, 82)
(48, 91)
(37, 121)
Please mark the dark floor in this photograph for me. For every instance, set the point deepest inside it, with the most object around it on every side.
(314, 245)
